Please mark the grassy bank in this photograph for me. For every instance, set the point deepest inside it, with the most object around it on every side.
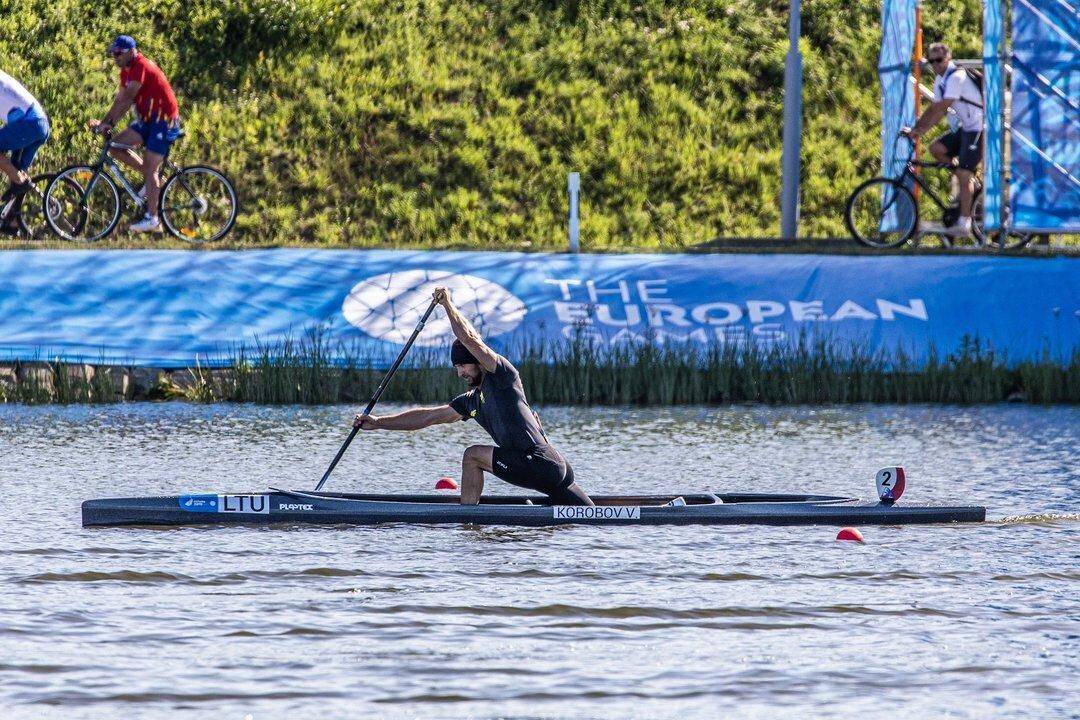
(453, 123)
(580, 373)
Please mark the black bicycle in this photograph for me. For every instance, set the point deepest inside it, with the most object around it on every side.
(197, 203)
(28, 217)
(883, 212)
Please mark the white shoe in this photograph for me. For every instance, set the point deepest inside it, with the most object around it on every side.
(148, 223)
(676, 502)
(962, 228)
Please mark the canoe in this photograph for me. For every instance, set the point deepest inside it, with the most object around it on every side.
(300, 507)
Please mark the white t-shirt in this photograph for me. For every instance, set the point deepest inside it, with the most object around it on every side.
(15, 100)
(954, 85)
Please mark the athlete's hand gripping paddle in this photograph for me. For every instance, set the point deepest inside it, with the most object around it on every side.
(378, 393)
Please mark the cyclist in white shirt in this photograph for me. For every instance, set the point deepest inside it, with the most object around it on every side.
(955, 89)
(25, 129)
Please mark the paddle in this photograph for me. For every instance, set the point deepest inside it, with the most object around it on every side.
(378, 393)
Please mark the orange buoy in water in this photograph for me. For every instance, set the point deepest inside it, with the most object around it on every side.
(445, 483)
(849, 533)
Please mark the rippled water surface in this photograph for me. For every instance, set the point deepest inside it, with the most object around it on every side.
(572, 622)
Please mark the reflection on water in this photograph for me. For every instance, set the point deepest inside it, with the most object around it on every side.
(570, 622)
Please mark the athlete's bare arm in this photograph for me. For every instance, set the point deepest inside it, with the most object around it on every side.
(414, 419)
(465, 332)
(125, 96)
(930, 118)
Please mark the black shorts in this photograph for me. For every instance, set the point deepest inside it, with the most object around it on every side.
(542, 469)
(967, 146)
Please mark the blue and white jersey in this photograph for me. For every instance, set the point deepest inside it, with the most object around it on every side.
(16, 101)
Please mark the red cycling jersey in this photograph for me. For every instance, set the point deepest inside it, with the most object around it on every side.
(155, 99)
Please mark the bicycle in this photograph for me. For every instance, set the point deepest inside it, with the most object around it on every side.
(197, 203)
(883, 213)
(29, 215)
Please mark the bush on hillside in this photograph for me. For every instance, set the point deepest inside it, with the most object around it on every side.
(441, 123)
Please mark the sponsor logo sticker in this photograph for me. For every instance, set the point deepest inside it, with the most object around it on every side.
(294, 506)
(584, 512)
(198, 503)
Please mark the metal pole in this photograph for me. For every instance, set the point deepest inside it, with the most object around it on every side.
(789, 191)
(573, 185)
(1002, 119)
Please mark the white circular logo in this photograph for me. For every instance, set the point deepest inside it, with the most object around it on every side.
(387, 307)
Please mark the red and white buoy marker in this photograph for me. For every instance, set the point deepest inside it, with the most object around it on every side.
(890, 482)
(850, 534)
(445, 483)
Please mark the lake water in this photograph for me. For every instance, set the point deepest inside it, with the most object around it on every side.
(572, 622)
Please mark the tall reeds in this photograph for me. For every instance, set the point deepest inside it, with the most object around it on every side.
(580, 371)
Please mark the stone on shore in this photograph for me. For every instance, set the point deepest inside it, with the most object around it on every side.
(143, 382)
(36, 378)
(8, 376)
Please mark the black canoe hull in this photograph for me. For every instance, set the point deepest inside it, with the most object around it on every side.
(296, 507)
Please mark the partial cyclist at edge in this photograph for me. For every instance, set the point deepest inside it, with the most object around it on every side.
(25, 129)
(156, 126)
(954, 88)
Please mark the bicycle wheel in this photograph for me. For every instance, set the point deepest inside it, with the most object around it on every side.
(83, 205)
(882, 213)
(1010, 239)
(198, 204)
(32, 219)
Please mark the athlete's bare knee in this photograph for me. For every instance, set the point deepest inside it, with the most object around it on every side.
(471, 455)
(478, 456)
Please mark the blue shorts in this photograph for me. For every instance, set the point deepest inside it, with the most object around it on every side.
(157, 135)
(23, 138)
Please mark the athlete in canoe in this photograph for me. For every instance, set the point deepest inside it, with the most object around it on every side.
(522, 454)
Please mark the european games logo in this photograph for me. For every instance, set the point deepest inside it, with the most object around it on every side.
(387, 307)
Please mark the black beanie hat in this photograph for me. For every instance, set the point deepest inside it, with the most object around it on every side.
(460, 355)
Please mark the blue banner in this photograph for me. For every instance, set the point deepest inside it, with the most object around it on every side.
(173, 308)
(1044, 193)
(994, 99)
(897, 99)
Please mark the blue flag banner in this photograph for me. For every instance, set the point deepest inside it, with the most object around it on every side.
(173, 308)
(897, 98)
(994, 98)
(1044, 193)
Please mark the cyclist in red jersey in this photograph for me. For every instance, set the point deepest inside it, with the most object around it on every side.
(156, 126)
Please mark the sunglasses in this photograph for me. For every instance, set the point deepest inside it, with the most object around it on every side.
(935, 61)
(118, 53)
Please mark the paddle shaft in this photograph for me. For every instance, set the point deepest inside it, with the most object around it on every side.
(378, 393)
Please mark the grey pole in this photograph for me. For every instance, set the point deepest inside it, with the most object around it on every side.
(789, 191)
(573, 186)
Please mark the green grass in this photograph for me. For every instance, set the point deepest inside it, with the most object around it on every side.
(441, 123)
(578, 372)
